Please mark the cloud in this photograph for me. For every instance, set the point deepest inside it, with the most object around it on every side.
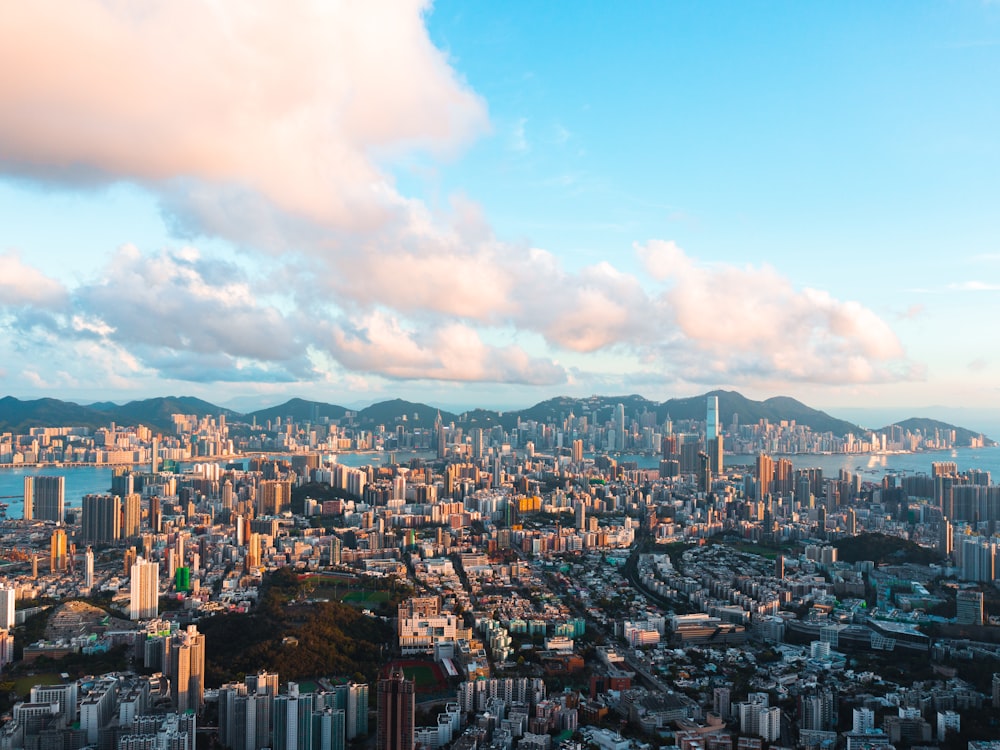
(277, 128)
(261, 111)
(730, 323)
(974, 286)
(381, 344)
(21, 284)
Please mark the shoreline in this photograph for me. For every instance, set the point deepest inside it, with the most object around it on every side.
(736, 458)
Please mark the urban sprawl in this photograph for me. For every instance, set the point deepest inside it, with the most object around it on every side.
(491, 588)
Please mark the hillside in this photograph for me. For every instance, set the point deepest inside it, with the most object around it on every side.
(928, 426)
(299, 410)
(777, 409)
(18, 416)
(391, 412)
(155, 413)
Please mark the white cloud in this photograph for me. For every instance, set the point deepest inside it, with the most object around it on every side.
(276, 127)
(232, 108)
(21, 284)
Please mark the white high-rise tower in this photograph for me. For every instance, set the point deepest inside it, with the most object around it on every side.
(145, 590)
(713, 436)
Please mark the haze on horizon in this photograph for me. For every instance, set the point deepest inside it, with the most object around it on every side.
(491, 205)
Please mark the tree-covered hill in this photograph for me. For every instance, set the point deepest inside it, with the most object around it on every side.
(298, 641)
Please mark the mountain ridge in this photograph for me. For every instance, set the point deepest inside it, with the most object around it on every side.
(734, 409)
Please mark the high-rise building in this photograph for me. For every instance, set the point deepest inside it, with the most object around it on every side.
(713, 435)
(131, 515)
(274, 496)
(395, 712)
(619, 428)
(145, 590)
(102, 518)
(44, 498)
(765, 475)
(969, 608)
(187, 669)
(7, 596)
(57, 551)
(88, 569)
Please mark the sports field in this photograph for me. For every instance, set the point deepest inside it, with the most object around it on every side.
(426, 675)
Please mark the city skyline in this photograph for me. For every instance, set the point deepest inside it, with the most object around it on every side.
(513, 203)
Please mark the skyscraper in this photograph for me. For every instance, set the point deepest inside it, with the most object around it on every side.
(88, 569)
(144, 590)
(131, 515)
(713, 435)
(57, 551)
(765, 475)
(7, 608)
(44, 498)
(102, 518)
(187, 669)
(395, 712)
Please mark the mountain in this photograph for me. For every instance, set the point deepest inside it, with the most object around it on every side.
(777, 409)
(155, 413)
(20, 416)
(600, 409)
(928, 426)
(391, 412)
(299, 410)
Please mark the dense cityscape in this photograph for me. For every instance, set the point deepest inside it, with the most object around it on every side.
(473, 587)
(552, 375)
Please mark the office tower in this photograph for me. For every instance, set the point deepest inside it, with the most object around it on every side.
(765, 475)
(154, 514)
(713, 435)
(144, 590)
(577, 451)
(619, 428)
(7, 595)
(187, 669)
(154, 464)
(581, 515)
(395, 712)
(88, 568)
(131, 515)
(45, 498)
(101, 523)
(336, 551)
(57, 551)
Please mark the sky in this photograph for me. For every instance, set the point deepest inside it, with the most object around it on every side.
(474, 203)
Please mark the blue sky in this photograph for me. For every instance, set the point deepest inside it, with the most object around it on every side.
(493, 203)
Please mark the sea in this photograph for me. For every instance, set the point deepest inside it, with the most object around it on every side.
(83, 480)
(86, 480)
